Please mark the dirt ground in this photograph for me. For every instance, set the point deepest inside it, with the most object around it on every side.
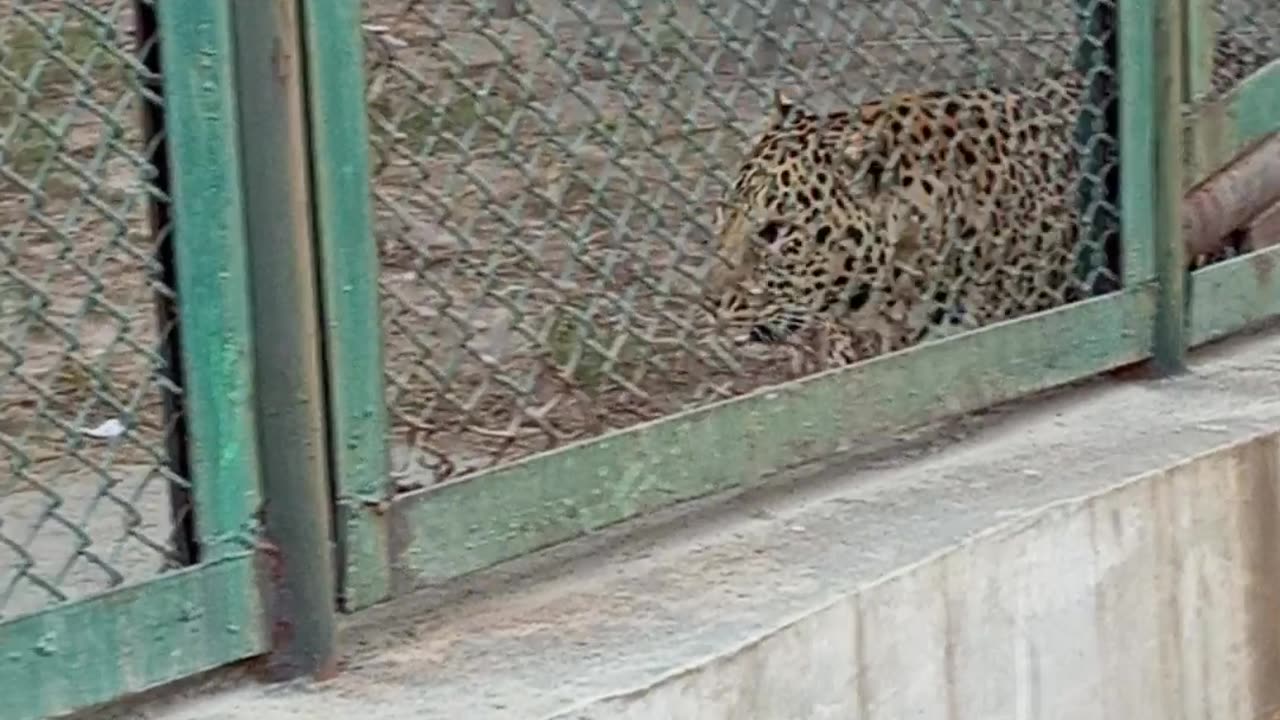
(544, 187)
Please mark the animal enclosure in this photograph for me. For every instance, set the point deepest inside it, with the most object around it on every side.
(458, 271)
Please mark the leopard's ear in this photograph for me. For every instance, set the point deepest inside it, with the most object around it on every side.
(783, 107)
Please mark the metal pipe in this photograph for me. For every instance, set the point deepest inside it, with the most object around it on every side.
(1232, 197)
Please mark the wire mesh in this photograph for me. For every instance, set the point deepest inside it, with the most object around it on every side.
(547, 176)
(1246, 40)
(83, 426)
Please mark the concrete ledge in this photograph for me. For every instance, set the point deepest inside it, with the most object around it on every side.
(1035, 562)
(1153, 599)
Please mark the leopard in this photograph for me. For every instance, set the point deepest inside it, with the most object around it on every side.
(923, 213)
(905, 218)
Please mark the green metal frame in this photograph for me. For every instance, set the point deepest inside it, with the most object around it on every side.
(391, 543)
(132, 638)
(1152, 66)
(348, 260)
(1169, 352)
(453, 529)
(295, 198)
(1232, 295)
(456, 528)
(1217, 131)
(395, 543)
(1200, 39)
(1137, 152)
(213, 282)
(1253, 109)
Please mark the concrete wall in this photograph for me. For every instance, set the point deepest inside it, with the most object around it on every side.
(1026, 563)
(1157, 598)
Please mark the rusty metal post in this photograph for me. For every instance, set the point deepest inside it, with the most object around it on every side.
(289, 387)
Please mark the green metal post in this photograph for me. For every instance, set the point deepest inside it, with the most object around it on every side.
(210, 271)
(1137, 152)
(289, 384)
(1150, 155)
(1170, 339)
(1200, 34)
(348, 272)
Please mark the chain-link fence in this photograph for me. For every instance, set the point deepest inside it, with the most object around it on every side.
(588, 215)
(1246, 40)
(548, 176)
(84, 501)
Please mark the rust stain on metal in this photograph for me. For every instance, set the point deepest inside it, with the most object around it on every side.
(1134, 372)
(270, 562)
(327, 671)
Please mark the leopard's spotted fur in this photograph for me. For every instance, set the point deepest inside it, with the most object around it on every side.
(920, 212)
(909, 216)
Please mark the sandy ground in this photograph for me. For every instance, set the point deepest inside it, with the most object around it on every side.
(623, 608)
(540, 222)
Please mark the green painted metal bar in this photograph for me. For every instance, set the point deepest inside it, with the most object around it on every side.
(452, 529)
(289, 387)
(1170, 350)
(1224, 128)
(212, 271)
(130, 639)
(349, 288)
(1232, 295)
(1254, 107)
(1200, 38)
(1137, 162)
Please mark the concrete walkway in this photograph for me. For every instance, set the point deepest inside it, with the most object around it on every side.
(592, 629)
